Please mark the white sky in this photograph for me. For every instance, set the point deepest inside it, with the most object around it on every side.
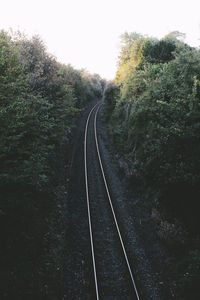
(86, 33)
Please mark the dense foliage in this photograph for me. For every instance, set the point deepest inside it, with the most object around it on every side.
(39, 100)
(153, 112)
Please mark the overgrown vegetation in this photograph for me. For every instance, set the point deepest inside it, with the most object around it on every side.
(153, 114)
(40, 99)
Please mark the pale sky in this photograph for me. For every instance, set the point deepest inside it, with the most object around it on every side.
(86, 33)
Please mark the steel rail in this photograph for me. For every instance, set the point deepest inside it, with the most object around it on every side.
(111, 205)
(88, 204)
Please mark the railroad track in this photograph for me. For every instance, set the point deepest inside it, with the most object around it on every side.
(113, 276)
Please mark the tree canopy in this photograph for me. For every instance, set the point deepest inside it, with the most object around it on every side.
(153, 114)
(40, 100)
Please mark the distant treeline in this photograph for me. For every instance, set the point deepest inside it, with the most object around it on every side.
(153, 114)
(40, 99)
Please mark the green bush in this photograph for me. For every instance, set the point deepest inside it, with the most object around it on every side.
(39, 101)
(155, 120)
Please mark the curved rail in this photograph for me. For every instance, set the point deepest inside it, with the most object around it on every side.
(111, 205)
(110, 201)
(88, 205)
